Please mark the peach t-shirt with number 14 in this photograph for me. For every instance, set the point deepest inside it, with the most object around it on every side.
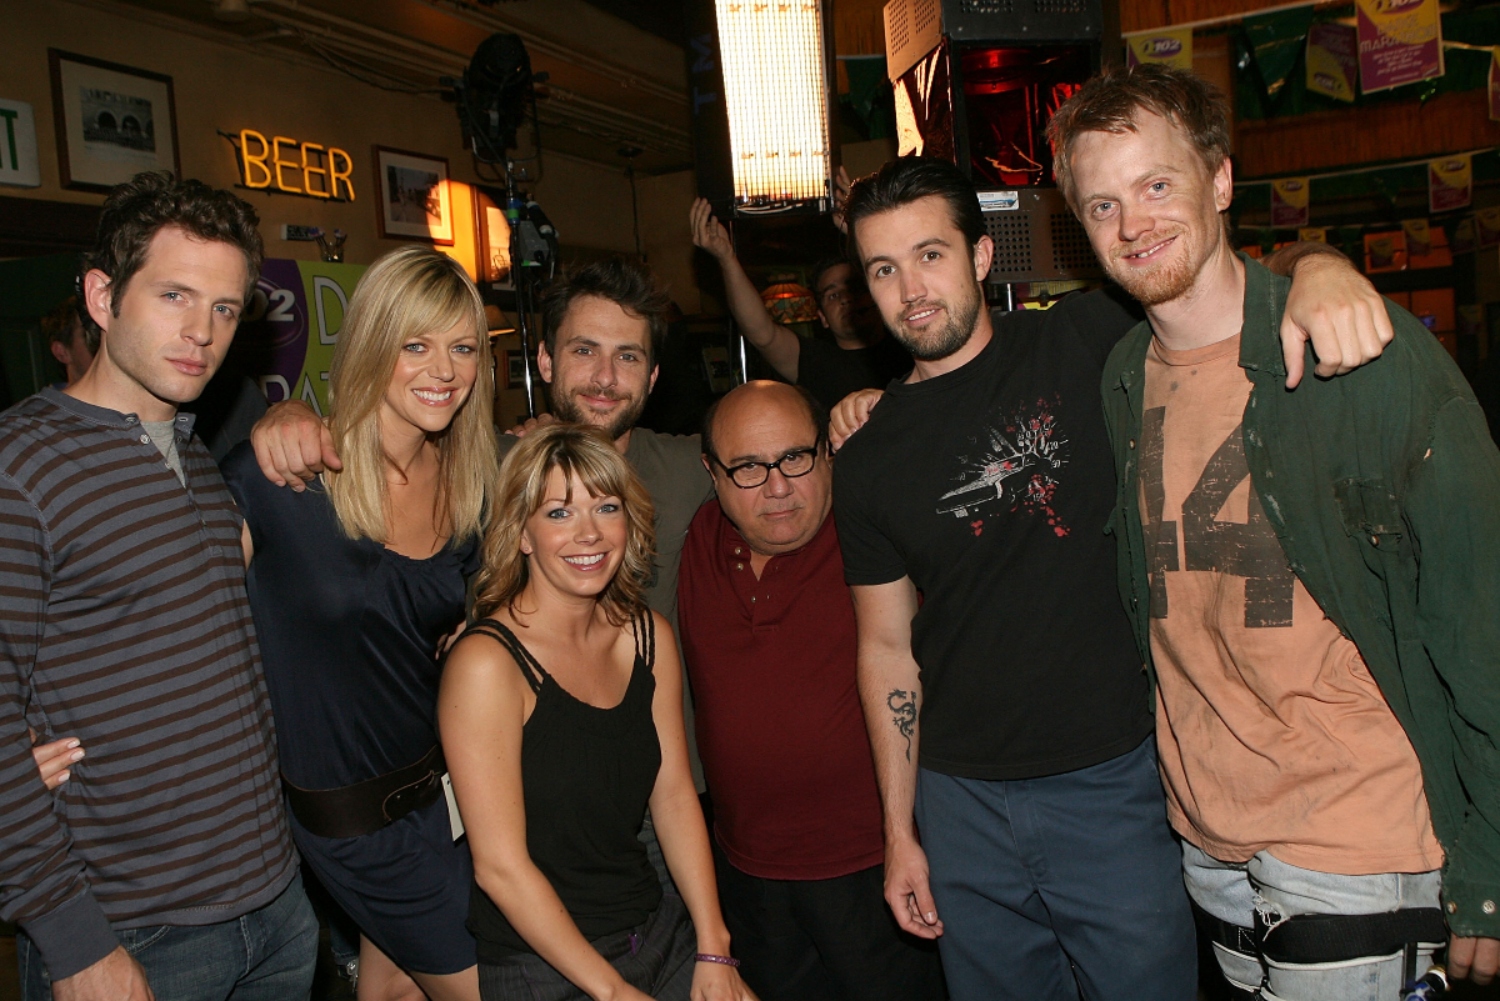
(1272, 734)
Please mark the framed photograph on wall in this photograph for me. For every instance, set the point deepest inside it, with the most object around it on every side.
(113, 121)
(514, 370)
(493, 231)
(414, 203)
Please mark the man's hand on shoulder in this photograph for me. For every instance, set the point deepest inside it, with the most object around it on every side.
(850, 414)
(1478, 959)
(116, 977)
(1333, 306)
(532, 424)
(292, 445)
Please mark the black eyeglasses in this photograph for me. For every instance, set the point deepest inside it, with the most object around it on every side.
(749, 475)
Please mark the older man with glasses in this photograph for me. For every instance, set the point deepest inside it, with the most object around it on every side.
(768, 634)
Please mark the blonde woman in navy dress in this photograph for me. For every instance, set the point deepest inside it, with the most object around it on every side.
(353, 584)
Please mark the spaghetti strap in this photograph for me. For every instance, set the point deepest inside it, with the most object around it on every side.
(645, 637)
(530, 667)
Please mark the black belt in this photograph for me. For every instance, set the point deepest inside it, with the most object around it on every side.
(1332, 938)
(365, 807)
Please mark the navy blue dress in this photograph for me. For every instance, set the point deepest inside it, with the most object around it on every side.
(347, 631)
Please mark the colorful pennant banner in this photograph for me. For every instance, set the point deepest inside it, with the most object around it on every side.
(1400, 42)
(1168, 46)
(1290, 201)
(1450, 183)
(1333, 60)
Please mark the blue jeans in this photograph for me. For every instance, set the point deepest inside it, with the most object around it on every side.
(266, 955)
(1234, 892)
(1052, 887)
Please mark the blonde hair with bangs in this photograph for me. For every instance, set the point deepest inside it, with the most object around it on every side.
(590, 454)
(404, 294)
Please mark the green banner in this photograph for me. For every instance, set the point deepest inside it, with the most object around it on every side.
(1276, 42)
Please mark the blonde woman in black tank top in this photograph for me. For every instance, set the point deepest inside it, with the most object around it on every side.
(561, 720)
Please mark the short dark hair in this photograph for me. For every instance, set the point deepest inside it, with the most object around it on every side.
(826, 265)
(626, 283)
(151, 201)
(58, 325)
(816, 413)
(1111, 101)
(908, 179)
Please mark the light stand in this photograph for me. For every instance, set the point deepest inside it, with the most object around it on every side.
(533, 259)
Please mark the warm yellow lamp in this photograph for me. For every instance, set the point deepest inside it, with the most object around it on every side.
(789, 302)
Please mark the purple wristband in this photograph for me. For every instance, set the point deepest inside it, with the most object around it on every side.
(708, 957)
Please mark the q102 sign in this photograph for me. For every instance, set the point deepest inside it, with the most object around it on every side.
(286, 336)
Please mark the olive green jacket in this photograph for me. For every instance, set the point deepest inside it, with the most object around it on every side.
(1383, 487)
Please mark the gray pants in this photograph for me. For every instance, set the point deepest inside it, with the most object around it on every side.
(656, 958)
(1235, 892)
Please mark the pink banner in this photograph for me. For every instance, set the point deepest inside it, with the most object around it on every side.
(1400, 42)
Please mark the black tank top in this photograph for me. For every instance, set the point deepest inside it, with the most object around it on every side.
(586, 776)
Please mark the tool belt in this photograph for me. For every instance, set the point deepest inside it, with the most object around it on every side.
(365, 807)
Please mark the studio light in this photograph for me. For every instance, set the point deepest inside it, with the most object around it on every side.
(776, 93)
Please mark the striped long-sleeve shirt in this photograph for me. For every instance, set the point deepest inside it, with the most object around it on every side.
(124, 622)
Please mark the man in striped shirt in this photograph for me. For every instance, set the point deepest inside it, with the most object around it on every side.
(124, 624)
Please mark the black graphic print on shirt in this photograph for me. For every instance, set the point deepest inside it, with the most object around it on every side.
(1009, 469)
(1250, 550)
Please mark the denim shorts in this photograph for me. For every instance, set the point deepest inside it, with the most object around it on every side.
(656, 958)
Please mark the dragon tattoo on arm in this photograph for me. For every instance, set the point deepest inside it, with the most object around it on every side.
(904, 705)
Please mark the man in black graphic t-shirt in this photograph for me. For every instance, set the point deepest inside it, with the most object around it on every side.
(986, 481)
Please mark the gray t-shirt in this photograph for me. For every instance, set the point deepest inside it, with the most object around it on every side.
(164, 437)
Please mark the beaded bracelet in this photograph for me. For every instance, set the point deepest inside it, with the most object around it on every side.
(708, 957)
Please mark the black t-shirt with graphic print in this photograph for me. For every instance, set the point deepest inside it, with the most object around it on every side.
(991, 487)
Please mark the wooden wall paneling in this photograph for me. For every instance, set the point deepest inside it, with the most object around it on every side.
(1448, 123)
(1145, 15)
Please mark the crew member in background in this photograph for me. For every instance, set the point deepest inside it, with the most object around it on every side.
(861, 355)
(71, 342)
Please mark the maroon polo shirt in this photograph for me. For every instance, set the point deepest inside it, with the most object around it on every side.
(772, 663)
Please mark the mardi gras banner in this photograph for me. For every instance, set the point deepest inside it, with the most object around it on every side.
(1169, 46)
(1289, 201)
(291, 325)
(1400, 42)
(1487, 222)
(1332, 60)
(1312, 234)
(1450, 183)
